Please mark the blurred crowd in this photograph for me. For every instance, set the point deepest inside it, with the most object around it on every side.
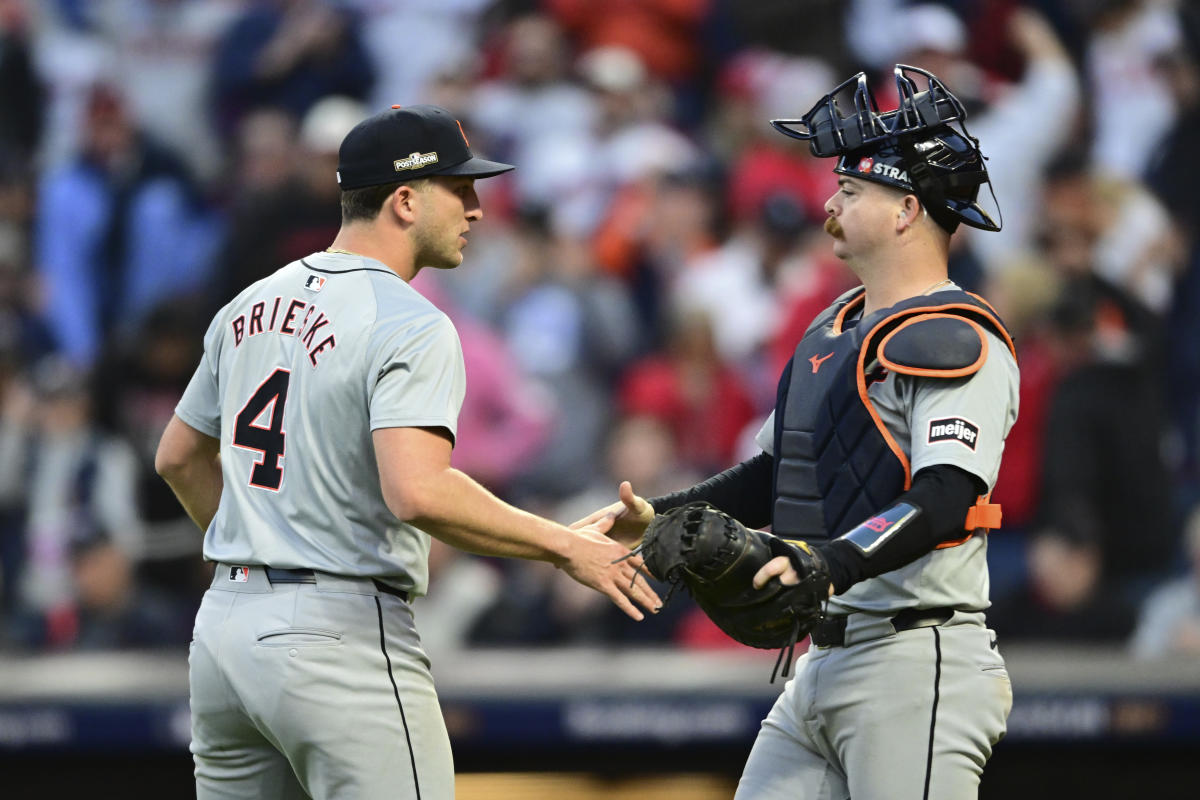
(634, 289)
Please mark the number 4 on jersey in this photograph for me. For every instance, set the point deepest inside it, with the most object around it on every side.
(268, 439)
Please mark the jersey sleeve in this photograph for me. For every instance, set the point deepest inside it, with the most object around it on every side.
(963, 422)
(416, 375)
(765, 438)
(200, 406)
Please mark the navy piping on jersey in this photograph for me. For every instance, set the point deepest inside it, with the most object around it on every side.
(937, 680)
(396, 691)
(344, 271)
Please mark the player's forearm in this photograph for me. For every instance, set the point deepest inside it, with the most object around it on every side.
(190, 462)
(931, 512)
(743, 492)
(197, 485)
(452, 506)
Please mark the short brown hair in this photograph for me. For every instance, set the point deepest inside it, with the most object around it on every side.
(364, 204)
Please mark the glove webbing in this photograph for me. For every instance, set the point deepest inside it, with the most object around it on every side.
(645, 573)
(786, 653)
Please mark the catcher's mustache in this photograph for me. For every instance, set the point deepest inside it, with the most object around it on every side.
(833, 228)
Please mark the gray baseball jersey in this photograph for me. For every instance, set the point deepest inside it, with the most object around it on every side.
(914, 712)
(315, 683)
(297, 371)
(913, 409)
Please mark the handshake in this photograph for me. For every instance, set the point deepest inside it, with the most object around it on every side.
(761, 590)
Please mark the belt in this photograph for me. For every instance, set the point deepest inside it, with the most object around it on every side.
(831, 631)
(277, 575)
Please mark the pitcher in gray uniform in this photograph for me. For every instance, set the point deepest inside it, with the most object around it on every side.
(881, 453)
(313, 447)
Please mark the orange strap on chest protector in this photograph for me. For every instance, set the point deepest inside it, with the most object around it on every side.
(983, 514)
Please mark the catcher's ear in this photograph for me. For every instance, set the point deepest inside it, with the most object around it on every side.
(909, 210)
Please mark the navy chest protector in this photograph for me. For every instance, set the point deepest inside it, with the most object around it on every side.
(836, 464)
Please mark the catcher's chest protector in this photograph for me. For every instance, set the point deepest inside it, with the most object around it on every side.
(835, 463)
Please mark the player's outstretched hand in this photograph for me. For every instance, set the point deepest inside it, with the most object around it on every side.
(605, 565)
(629, 516)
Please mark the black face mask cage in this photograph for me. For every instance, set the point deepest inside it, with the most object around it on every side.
(921, 113)
(829, 132)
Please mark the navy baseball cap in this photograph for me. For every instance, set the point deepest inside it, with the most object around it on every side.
(409, 142)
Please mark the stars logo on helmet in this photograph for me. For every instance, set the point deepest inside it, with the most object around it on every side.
(866, 165)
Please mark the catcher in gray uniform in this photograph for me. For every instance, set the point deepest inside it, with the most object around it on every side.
(313, 447)
(881, 453)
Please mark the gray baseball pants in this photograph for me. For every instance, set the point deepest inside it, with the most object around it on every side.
(905, 716)
(312, 690)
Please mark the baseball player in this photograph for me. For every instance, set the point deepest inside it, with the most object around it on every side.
(881, 453)
(313, 447)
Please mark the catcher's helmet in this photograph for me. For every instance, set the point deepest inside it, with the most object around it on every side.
(921, 147)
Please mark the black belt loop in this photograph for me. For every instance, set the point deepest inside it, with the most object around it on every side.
(278, 575)
(392, 590)
(831, 631)
(911, 618)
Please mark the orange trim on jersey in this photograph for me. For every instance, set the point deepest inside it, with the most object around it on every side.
(861, 379)
(970, 369)
(851, 304)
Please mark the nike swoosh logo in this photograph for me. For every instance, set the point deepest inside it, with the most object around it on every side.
(817, 362)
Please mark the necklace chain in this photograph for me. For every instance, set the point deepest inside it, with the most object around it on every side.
(942, 282)
(336, 250)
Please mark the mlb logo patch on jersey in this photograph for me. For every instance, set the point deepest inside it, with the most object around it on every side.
(314, 283)
(239, 574)
(953, 429)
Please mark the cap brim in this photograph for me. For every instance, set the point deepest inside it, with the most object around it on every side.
(477, 168)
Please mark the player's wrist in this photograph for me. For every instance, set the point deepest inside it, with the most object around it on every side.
(561, 546)
(845, 564)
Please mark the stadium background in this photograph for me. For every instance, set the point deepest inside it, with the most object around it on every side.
(635, 288)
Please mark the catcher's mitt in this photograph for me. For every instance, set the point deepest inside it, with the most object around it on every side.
(716, 557)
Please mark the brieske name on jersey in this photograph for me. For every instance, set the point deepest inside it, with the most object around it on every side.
(290, 323)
